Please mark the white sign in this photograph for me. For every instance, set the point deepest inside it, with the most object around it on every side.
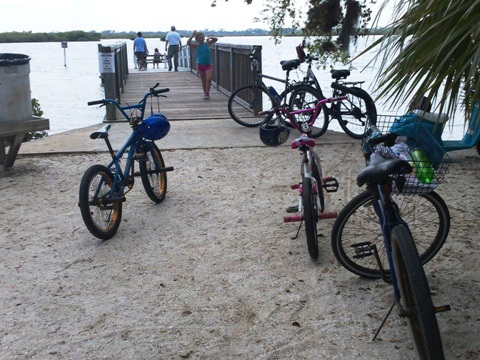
(106, 62)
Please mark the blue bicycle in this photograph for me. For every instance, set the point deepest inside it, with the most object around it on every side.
(103, 188)
(398, 260)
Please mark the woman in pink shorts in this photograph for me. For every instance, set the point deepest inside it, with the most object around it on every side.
(204, 63)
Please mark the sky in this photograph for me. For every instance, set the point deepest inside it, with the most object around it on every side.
(129, 15)
(122, 15)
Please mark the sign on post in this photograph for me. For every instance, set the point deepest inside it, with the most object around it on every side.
(64, 46)
(106, 61)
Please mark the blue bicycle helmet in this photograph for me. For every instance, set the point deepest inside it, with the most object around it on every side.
(154, 127)
(274, 134)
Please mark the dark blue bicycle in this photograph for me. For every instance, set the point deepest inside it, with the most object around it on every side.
(397, 258)
(103, 188)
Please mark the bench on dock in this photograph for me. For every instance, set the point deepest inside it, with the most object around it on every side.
(14, 133)
(150, 59)
(163, 60)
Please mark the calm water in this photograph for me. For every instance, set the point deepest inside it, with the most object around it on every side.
(63, 91)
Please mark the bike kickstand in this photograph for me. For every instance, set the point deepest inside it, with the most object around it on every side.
(383, 322)
(298, 231)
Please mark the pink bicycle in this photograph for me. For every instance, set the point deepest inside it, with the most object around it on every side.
(311, 202)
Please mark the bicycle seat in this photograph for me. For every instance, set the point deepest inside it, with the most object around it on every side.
(380, 168)
(339, 74)
(288, 65)
(101, 133)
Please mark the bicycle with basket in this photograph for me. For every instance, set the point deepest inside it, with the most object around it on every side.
(384, 245)
(103, 188)
(356, 230)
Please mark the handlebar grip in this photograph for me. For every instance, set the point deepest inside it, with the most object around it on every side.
(160, 91)
(96, 102)
(388, 139)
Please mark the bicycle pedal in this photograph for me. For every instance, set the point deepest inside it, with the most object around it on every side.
(362, 250)
(442, 308)
(292, 218)
(295, 186)
(292, 209)
(330, 184)
(327, 215)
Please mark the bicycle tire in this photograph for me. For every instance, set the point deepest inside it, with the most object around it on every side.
(356, 113)
(154, 181)
(101, 219)
(317, 174)
(305, 97)
(427, 216)
(309, 211)
(244, 105)
(415, 296)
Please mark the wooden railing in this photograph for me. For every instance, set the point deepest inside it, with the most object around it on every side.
(231, 65)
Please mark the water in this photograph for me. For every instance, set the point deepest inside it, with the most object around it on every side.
(63, 91)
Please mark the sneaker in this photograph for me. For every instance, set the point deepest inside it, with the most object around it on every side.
(206, 97)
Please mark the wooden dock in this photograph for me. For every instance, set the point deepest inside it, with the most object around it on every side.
(183, 102)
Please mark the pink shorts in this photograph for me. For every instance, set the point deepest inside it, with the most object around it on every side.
(204, 68)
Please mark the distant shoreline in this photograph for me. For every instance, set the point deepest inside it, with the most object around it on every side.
(78, 35)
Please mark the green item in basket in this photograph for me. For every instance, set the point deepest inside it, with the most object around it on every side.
(423, 170)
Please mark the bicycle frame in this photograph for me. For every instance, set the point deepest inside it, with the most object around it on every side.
(389, 217)
(120, 177)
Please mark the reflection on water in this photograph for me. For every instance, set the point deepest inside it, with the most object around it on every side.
(63, 91)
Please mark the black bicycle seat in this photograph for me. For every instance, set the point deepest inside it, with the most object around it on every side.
(101, 133)
(288, 65)
(340, 74)
(380, 168)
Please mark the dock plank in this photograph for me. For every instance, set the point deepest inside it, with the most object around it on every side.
(183, 102)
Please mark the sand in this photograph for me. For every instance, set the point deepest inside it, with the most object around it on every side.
(213, 272)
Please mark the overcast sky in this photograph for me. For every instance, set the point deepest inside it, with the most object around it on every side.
(128, 15)
(122, 15)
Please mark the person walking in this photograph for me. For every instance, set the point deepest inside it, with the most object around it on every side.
(204, 63)
(140, 50)
(174, 43)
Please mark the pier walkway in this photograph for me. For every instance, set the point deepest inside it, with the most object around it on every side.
(185, 99)
(195, 123)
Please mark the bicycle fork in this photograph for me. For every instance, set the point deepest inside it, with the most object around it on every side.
(330, 184)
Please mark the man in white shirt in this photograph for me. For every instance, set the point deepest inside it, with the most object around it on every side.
(174, 44)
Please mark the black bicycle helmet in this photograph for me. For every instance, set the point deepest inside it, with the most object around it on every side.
(274, 134)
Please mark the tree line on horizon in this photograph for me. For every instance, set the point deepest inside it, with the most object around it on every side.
(78, 35)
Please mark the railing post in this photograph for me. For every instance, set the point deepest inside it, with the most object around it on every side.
(113, 63)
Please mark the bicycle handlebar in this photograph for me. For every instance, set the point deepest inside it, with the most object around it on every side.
(152, 92)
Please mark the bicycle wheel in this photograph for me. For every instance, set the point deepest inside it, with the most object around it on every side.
(100, 214)
(357, 229)
(305, 97)
(317, 174)
(355, 113)
(415, 297)
(309, 210)
(246, 102)
(154, 181)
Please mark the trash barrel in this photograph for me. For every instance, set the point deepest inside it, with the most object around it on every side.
(15, 96)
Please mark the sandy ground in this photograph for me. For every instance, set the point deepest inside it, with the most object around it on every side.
(212, 272)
